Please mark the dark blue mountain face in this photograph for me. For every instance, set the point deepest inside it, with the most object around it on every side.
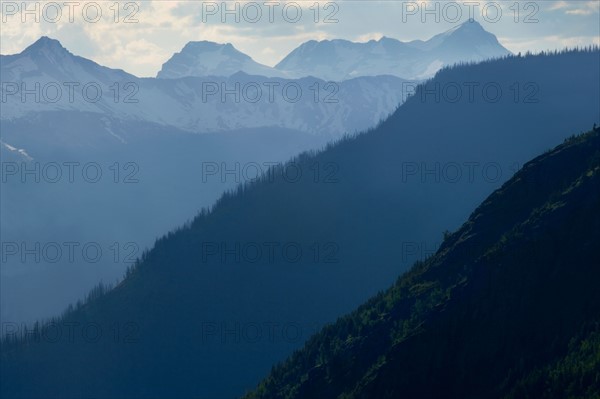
(359, 214)
(507, 308)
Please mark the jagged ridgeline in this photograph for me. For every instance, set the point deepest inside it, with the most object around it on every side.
(358, 202)
(509, 307)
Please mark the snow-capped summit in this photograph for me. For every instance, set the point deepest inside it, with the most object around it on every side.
(342, 59)
(205, 58)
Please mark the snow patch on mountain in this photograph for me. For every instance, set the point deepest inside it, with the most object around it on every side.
(19, 151)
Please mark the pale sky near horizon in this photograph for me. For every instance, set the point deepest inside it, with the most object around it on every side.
(269, 30)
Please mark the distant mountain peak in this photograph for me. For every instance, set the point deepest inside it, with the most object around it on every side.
(471, 27)
(468, 38)
(471, 23)
(204, 48)
(48, 57)
(46, 45)
(204, 58)
(206, 45)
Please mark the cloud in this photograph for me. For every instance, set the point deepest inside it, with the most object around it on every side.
(268, 51)
(580, 11)
(558, 5)
(582, 8)
(550, 42)
(369, 36)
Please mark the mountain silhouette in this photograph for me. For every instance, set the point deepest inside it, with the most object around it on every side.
(507, 308)
(197, 298)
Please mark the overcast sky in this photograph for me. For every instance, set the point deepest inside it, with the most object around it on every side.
(140, 36)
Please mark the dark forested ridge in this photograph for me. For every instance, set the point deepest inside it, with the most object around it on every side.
(509, 306)
(351, 211)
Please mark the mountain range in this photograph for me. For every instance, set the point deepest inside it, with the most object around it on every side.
(324, 88)
(338, 60)
(153, 124)
(342, 59)
(61, 81)
(508, 307)
(202, 304)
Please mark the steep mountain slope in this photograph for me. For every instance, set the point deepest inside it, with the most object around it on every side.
(48, 117)
(213, 59)
(342, 59)
(508, 307)
(46, 77)
(153, 179)
(198, 294)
